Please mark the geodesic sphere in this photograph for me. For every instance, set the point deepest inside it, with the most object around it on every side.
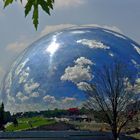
(49, 74)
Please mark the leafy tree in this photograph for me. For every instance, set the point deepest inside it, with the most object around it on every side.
(46, 6)
(112, 93)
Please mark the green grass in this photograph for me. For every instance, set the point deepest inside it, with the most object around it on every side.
(29, 123)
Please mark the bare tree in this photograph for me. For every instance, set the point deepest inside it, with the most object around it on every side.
(112, 92)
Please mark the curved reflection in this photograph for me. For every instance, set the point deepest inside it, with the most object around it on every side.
(51, 72)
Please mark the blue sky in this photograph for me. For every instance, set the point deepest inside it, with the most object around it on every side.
(16, 32)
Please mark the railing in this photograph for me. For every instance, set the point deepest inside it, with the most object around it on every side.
(63, 135)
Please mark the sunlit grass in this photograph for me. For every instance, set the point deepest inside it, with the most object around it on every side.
(29, 123)
(137, 136)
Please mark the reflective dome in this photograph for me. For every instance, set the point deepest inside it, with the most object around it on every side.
(49, 74)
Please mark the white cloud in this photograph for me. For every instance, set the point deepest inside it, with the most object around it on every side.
(24, 75)
(10, 98)
(138, 80)
(21, 66)
(68, 99)
(24, 98)
(79, 32)
(115, 34)
(21, 96)
(52, 28)
(113, 28)
(49, 99)
(92, 44)
(111, 54)
(137, 86)
(34, 94)
(136, 48)
(17, 46)
(8, 82)
(83, 61)
(68, 3)
(79, 72)
(24, 107)
(30, 86)
(133, 61)
(120, 36)
(68, 102)
(83, 86)
(9, 77)
(23, 42)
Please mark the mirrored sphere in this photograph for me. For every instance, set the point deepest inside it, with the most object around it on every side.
(49, 74)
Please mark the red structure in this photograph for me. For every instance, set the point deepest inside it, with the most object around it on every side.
(73, 111)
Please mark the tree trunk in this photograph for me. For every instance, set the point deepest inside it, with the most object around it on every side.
(115, 134)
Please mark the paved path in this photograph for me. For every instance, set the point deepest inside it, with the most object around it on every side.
(58, 135)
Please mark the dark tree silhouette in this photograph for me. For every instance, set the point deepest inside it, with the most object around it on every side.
(2, 120)
(112, 93)
(15, 122)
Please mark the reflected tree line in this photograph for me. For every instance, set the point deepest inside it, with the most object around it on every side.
(5, 117)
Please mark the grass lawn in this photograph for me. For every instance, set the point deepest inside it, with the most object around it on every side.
(137, 136)
(91, 126)
(29, 123)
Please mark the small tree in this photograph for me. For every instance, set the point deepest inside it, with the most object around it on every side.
(111, 93)
(15, 122)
